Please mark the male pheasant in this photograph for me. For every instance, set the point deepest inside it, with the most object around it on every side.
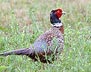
(47, 45)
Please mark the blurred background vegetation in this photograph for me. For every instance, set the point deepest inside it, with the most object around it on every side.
(22, 21)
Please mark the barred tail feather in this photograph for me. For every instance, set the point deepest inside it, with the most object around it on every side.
(25, 51)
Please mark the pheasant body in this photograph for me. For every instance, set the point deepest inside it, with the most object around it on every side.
(47, 44)
(50, 42)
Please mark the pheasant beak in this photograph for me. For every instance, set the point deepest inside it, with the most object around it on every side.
(63, 12)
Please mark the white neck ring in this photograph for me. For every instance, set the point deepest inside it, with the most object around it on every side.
(58, 24)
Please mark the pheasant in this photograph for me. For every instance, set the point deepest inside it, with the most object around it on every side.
(48, 45)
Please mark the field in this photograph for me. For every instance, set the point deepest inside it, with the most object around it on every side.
(22, 21)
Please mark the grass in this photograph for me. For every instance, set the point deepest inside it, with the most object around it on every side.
(22, 21)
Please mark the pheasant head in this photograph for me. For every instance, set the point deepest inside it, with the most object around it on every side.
(54, 18)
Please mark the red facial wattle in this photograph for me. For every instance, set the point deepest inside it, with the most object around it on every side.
(58, 13)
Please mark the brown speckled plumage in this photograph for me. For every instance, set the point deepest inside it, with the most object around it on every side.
(48, 44)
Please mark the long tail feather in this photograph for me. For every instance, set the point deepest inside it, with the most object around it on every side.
(25, 51)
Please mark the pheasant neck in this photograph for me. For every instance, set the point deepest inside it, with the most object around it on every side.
(59, 26)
